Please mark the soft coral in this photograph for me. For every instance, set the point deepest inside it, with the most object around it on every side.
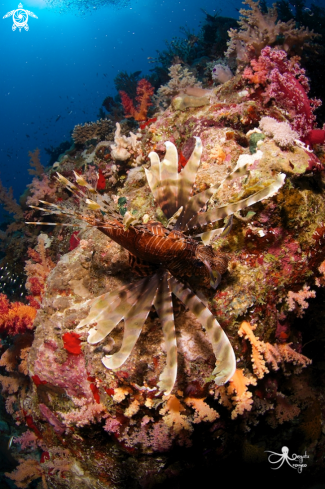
(286, 83)
(15, 317)
(144, 93)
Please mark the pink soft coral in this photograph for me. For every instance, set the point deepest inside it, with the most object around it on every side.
(39, 189)
(285, 82)
(37, 270)
(297, 300)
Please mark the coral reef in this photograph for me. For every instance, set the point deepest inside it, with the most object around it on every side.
(97, 391)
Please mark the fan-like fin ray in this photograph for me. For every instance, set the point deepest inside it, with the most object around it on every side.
(109, 309)
(153, 175)
(226, 210)
(225, 357)
(134, 320)
(187, 176)
(209, 236)
(199, 200)
(164, 307)
(168, 192)
(163, 179)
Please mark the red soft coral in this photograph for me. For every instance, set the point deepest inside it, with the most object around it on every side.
(286, 83)
(144, 93)
(15, 317)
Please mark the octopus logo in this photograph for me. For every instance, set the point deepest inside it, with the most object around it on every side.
(20, 18)
(284, 457)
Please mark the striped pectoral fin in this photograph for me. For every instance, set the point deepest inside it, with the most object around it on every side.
(109, 309)
(226, 210)
(193, 206)
(187, 176)
(168, 191)
(134, 321)
(209, 236)
(164, 307)
(224, 353)
(199, 200)
(163, 179)
(153, 175)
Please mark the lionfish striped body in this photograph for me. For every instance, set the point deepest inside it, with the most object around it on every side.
(154, 246)
(174, 260)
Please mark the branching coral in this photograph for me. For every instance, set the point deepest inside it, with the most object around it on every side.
(144, 93)
(9, 203)
(180, 79)
(173, 417)
(203, 412)
(272, 354)
(297, 300)
(258, 348)
(240, 395)
(259, 30)
(37, 169)
(27, 471)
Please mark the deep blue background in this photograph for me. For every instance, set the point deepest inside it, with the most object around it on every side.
(58, 66)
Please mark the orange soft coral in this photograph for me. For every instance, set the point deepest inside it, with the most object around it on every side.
(15, 317)
(144, 93)
(237, 388)
(258, 348)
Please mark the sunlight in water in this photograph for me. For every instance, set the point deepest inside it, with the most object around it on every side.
(35, 3)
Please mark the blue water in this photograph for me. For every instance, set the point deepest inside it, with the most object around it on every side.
(65, 65)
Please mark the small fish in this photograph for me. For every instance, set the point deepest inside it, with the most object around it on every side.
(58, 117)
(10, 442)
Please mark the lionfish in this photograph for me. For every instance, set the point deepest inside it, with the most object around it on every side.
(174, 258)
